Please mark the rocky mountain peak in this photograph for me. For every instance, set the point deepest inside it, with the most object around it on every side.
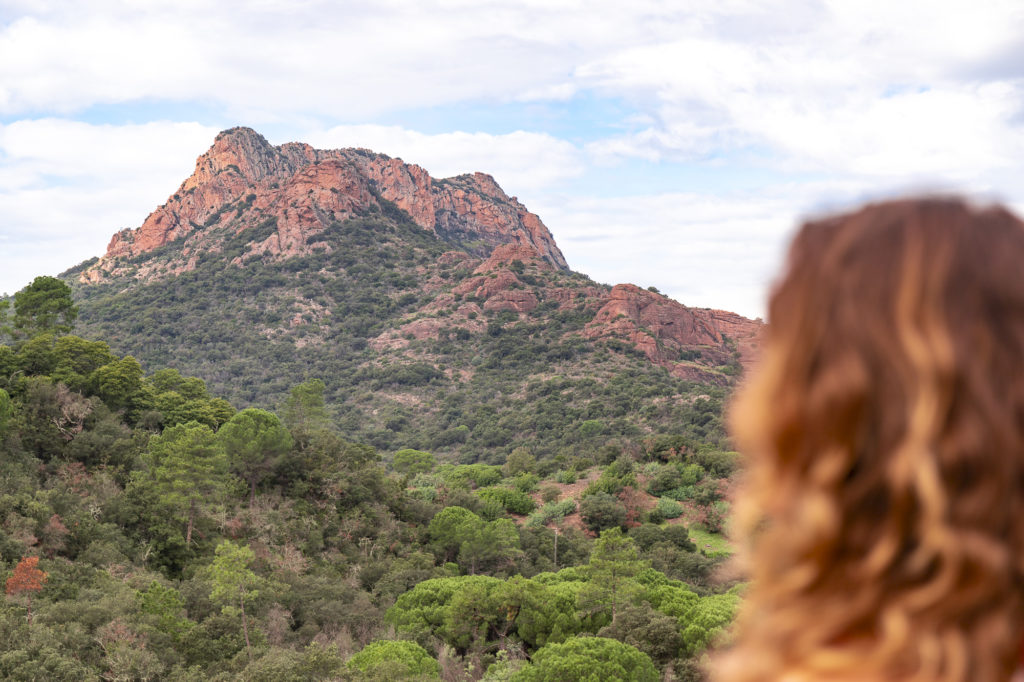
(243, 151)
(243, 182)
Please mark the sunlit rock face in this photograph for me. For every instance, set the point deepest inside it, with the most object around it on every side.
(663, 329)
(243, 182)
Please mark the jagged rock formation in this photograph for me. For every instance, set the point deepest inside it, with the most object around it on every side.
(667, 331)
(243, 182)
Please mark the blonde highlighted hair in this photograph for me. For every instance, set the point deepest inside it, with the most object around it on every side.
(882, 515)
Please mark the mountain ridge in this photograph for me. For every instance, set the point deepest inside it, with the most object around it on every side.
(303, 190)
(273, 264)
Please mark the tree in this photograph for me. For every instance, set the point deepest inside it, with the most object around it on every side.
(118, 382)
(591, 428)
(167, 605)
(463, 612)
(450, 527)
(234, 580)
(539, 612)
(456, 532)
(6, 410)
(601, 511)
(125, 654)
(254, 440)
(189, 468)
(393, 660)
(409, 462)
(305, 412)
(520, 461)
(706, 620)
(614, 563)
(493, 544)
(36, 355)
(588, 658)
(653, 633)
(473, 615)
(44, 306)
(76, 358)
(26, 579)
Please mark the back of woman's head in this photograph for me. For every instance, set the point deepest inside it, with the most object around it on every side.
(882, 517)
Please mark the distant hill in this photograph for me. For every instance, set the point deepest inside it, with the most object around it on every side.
(441, 314)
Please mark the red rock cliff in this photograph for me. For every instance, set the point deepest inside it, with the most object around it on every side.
(242, 181)
(663, 329)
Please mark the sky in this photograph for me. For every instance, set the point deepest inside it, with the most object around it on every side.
(667, 144)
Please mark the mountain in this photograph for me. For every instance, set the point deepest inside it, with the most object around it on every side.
(440, 313)
(292, 192)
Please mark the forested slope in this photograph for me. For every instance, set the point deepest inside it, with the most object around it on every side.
(148, 530)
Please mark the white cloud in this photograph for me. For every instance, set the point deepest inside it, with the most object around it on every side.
(352, 59)
(68, 148)
(701, 250)
(871, 89)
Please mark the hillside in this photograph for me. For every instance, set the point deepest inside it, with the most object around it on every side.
(150, 531)
(439, 313)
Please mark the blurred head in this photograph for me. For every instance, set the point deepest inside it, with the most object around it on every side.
(882, 518)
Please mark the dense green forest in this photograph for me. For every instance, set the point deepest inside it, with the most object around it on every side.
(150, 530)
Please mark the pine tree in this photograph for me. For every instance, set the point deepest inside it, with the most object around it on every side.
(234, 582)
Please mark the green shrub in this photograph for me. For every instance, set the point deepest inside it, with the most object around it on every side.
(393, 660)
(552, 511)
(593, 658)
(664, 479)
(566, 476)
(513, 501)
(526, 482)
(601, 511)
(668, 508)
(470, 475)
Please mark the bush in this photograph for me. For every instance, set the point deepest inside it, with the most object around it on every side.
(551, 511)
(668, 508)
(526, 482)
(470, 475)
(679, 494)
(601, 511)
(513, 501)
(615, 477)
(409, 462)
(566, 476)
(665, 479)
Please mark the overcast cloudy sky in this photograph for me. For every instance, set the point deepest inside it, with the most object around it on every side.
(671, 144)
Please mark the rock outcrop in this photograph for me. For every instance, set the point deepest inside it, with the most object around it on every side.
(243, 182)
(671, 334)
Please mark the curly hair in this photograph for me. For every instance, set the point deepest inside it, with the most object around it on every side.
(881, 519)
